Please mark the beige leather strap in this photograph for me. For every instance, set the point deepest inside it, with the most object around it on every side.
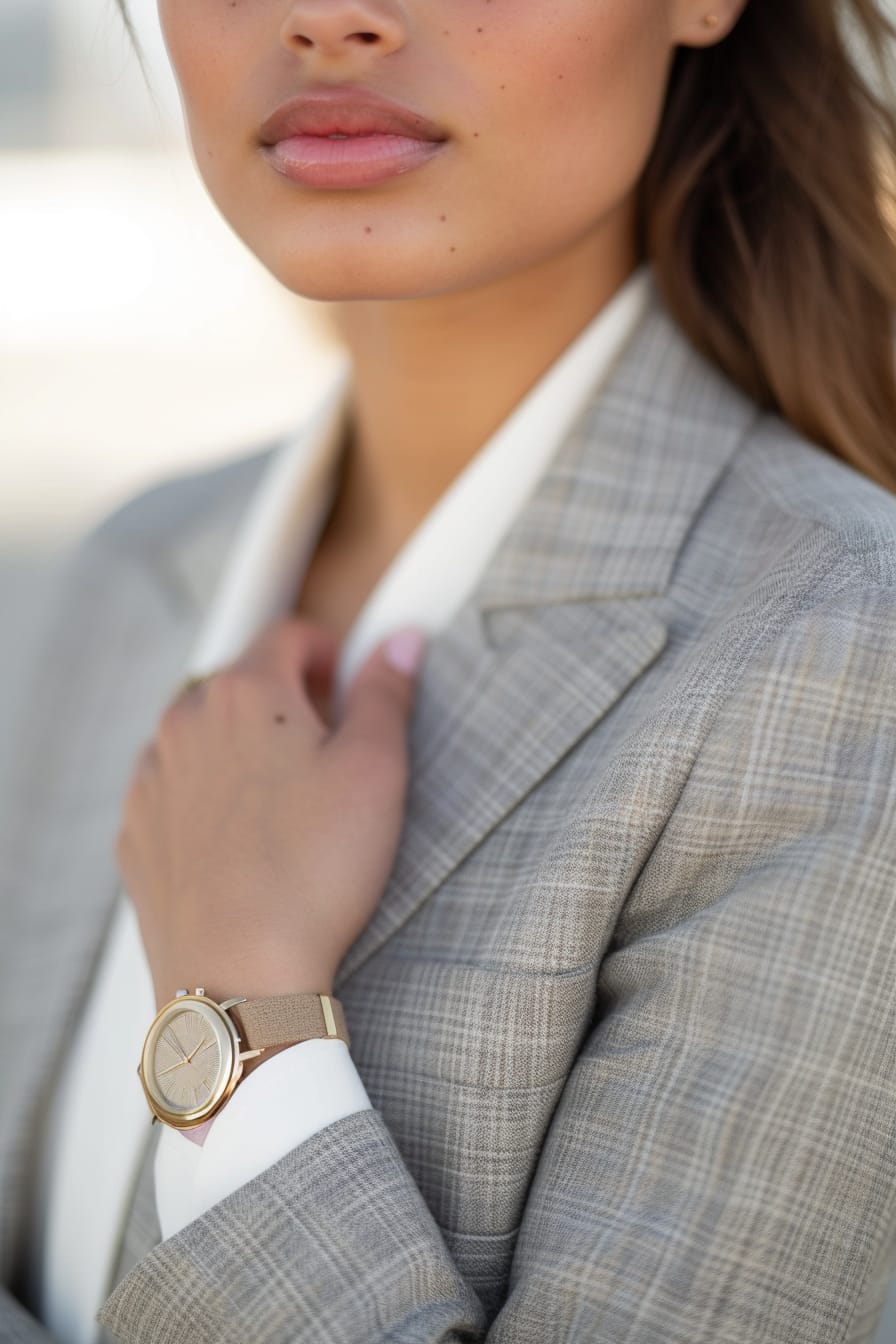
(288, 1018)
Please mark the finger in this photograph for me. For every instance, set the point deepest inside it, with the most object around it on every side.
(379, 701)
(147, 760)
(294, 650)
(301, 655)
(189, 691)
(143, 772)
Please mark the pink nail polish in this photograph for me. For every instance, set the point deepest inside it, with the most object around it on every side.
(404, 650)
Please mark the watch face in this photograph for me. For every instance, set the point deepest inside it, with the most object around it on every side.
(188, 1057)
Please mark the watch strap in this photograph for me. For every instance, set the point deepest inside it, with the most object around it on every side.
(283, 1019)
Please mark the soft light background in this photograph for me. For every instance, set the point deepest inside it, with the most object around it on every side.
(138, 335)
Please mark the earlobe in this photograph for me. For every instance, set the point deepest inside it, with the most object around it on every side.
(708, 21)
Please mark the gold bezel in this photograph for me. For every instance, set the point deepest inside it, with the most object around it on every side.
(230, 1069)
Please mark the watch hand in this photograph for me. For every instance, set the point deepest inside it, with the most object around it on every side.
(198, 1047)
(172, 1066)
(169, 1036)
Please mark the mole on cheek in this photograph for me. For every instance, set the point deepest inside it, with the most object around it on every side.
(368, 229)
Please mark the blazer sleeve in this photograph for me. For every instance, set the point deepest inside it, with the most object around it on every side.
(721, 1164)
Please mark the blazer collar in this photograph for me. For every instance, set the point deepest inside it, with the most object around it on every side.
(611, 514)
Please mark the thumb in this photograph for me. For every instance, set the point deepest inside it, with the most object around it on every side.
(380, 697)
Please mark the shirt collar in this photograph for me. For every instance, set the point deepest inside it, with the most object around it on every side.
(447, 553)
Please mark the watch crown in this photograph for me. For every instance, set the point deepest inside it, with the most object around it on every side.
(200, 991)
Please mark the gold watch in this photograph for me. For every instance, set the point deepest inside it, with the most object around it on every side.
(191, 1059)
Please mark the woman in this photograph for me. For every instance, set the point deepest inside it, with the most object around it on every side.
(603, 887)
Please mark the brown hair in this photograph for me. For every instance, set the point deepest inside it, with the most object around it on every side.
(767, 209)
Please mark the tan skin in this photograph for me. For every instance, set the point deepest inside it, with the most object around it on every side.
(255, 849)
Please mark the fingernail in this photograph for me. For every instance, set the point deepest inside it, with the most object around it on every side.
(404, 649)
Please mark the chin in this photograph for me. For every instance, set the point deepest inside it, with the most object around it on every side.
(343, 273)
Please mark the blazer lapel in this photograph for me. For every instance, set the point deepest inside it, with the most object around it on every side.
(568, 612)
(490, 721)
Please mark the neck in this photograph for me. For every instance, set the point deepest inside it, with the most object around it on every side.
(433, 378)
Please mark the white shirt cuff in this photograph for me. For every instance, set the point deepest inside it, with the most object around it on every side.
(280, 1104)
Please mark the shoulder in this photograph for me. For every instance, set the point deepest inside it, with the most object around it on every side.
(782, 612)
(810, 489)
(781, 669)
(797, 506)
(789, 532)
(163, 539)
(165, 511)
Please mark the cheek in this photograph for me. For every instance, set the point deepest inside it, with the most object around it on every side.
(181, 37)
(209, 59)
(582, 104)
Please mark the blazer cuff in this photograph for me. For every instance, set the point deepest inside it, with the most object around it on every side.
(282, 1103)
(333, 1243)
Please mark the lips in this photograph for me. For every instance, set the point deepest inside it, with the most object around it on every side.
(346, 111)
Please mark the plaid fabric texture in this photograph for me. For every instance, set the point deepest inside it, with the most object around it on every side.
(627, 1009)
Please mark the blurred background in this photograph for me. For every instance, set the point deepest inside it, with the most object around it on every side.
(138, 335)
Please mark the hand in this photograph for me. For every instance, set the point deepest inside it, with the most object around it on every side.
(256, 834)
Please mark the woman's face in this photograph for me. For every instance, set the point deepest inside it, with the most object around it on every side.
(550, 108)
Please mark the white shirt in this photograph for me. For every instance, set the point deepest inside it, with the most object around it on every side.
(313, 1083)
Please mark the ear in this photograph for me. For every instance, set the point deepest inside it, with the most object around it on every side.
(702, 23)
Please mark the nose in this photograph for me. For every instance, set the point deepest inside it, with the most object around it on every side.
(340, 29)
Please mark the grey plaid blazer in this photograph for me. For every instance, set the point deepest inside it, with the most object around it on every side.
(626, 1011)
